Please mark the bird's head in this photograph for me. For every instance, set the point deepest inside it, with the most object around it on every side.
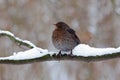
(61, 25)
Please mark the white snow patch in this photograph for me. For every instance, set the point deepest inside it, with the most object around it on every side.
(28, 54)
(86, 50)
(6, 32)
(26, 41)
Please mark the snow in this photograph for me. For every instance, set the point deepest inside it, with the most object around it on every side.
(6, 32)
(86, 50)
(80, 50)
(28, 54)
(26, 41)
(11, 34)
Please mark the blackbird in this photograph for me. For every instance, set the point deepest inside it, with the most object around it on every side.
(64, 38)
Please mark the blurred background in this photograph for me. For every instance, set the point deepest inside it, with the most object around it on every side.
(96, 22)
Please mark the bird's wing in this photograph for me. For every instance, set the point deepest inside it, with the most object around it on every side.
(72, 32)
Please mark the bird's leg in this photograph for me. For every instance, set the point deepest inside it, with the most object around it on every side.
(71, 52)
(59, 54)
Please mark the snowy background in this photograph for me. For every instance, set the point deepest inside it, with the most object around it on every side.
(96, 22)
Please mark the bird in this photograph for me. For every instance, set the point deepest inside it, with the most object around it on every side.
(64, 38)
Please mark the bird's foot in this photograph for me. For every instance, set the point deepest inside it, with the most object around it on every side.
(59, 54)
(71, 53)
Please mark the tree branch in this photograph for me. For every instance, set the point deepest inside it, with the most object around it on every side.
(16, 39)
(66, 57)
(39, 55)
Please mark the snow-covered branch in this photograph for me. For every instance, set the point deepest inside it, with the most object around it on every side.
(16, 39)
(82, 52)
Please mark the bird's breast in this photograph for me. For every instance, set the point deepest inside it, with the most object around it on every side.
(58, 35)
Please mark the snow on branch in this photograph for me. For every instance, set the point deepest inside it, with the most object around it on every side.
(82, 52)
(16, 39)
